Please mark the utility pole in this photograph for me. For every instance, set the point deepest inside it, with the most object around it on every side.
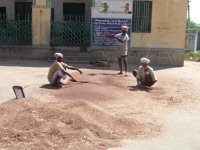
(188, 17)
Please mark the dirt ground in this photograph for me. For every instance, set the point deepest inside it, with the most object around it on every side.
(101, 110)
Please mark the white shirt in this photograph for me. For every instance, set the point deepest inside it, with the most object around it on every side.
(123, 46)
(141, 73)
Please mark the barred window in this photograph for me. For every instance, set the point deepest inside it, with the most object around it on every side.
(2, 13)
(74, 11)
(23, 10)
(142, 12)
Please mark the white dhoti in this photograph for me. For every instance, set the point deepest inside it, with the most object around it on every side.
(58, 73)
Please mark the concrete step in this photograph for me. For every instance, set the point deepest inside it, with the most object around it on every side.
(80, 58)
(72, 56)
(69, 51)
(76, 62)
(66, 48)
(63, 49)
(72, 61)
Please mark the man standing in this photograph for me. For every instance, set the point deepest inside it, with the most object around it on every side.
(58, 71)
(122, 51)
(145, 74)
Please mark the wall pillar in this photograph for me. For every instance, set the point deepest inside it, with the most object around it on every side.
(41, 22)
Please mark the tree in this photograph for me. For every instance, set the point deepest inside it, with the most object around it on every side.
(193, 25)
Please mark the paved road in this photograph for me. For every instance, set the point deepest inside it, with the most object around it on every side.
(182, 132)
(181, 123)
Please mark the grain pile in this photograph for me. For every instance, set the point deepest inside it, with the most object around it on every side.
(31, 124)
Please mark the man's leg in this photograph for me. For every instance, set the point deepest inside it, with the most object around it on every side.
(57, 80)
(134, 72)
(58, 75)
(125, 63)
(148, 80)
(120, 64)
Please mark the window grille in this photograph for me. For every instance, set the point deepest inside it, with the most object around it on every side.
(142, 14)
(23, 10)
(74, 12)
(2, 13)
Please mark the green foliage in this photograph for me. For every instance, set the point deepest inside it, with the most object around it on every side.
(193, 25)
(192, 56)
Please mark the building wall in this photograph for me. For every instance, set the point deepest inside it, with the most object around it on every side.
(24, 52)
(58, 7)
(164, 45)
(168, 26)
(168, 29)
(158, 56)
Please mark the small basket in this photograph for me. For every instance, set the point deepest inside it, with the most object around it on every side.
(110, 36)
(19, 93)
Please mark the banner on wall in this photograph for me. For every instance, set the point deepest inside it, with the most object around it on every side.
(104, 26)
(114, 6)
(107, 18)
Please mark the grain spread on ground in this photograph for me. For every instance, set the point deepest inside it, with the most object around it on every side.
(30, 124)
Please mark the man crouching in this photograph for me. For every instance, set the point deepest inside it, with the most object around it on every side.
(145, 74)
(58, 71)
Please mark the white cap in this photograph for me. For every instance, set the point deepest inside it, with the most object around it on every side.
(144, 60)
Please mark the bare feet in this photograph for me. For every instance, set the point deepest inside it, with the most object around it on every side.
(120, 73)
(134, 72)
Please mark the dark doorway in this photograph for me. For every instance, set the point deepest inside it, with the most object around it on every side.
(74, 11)
(23, 10)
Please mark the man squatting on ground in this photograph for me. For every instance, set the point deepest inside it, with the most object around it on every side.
(122, 51)
(145, 74)
(58, 70)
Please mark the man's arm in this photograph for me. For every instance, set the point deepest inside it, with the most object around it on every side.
(153, 75)
(119, 40)
(126, 38)
(72, 68)
(139, 74)
(66, 73)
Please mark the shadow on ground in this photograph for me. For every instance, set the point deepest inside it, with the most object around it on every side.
(70, 84)
(137, 88)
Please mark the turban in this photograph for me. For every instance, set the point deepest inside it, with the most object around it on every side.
(57, 55)
(124, 27)
(144, 60)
